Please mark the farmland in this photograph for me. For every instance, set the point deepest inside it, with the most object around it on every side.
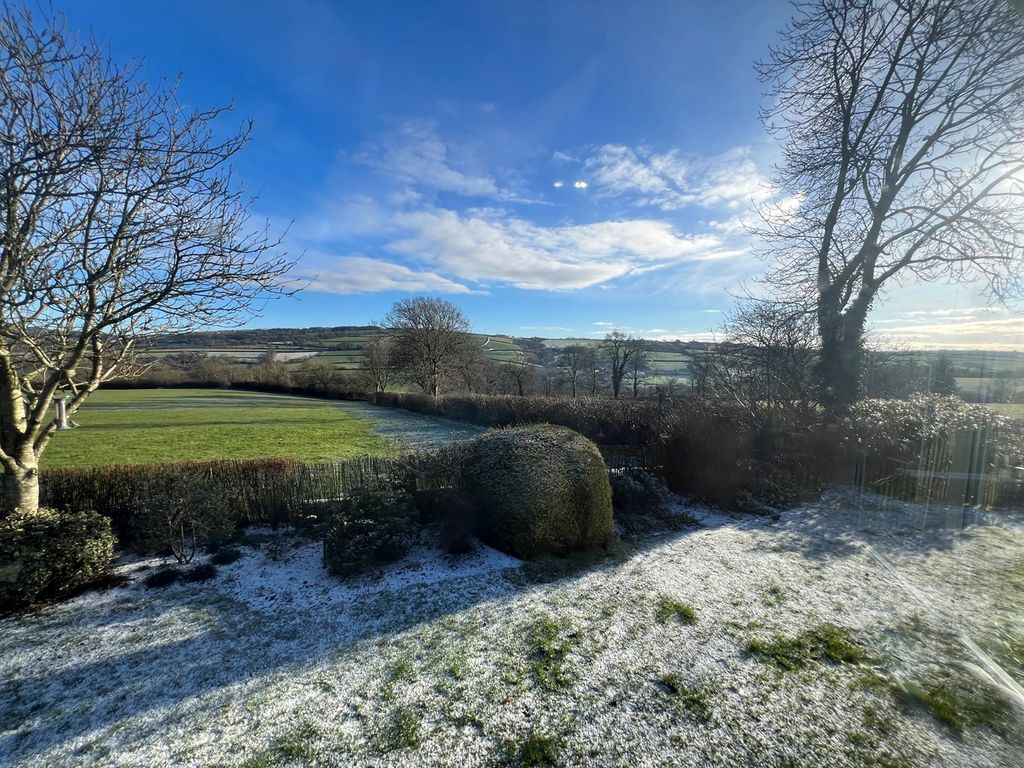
(155, 425)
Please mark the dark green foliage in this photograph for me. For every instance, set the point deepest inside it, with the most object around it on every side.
(203, 572)
(637, 491)
(539, 489)
(226, 556)
(670, 609)
(544, 569)
(46, 554)
(372, 526)
(162, 578)
(457, 515)
(825, 642)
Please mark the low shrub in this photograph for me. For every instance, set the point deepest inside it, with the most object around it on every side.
(373, 525)
(539, 489)
(179, 516)
(457, 515)
(638, 498)
(47, 554)
(162, 578)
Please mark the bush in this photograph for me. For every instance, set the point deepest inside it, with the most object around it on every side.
(638, 492)
(48, 553)
(539, 489)
(937, 433)
(179, 515)
(457, 515)
(373, 525)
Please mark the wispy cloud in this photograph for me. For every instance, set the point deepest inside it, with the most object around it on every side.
(672, 180)
(415, 154)
(359, 274)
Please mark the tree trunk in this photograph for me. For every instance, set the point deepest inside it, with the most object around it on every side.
(842, 354)
(21, 487)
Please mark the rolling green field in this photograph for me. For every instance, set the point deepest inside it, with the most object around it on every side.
(139, 426)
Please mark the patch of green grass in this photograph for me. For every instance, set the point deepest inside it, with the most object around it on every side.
(670, 609)
(402, 731)
(293, 745)
(544, 569)
(695, 700)
(825, 642)
(157, 425)
(549, 644)
(961, 702)
(536, 749)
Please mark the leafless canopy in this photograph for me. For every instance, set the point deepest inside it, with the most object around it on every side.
(120, 219)
(902, 124)
(429, 337)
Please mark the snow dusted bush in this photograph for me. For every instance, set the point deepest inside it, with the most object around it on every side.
(539, 488)
(638, 492)
(373, 525)
(48, 553)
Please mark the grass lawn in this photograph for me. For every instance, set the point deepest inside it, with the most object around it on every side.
(138, 426)
(743, 642)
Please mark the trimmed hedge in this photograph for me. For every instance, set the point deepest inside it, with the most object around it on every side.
(603, 420)
(48, 553)
(538, 489)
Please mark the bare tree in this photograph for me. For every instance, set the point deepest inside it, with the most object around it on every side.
(429, 336)
(618, 350)
(638, 362)
(379, 362)
(576, 361)
(766, 363)
(901, 122)
(472, 370)
(120, 220)
(519, 376)
(318, 375)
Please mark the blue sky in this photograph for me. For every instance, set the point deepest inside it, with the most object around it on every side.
(554, 168)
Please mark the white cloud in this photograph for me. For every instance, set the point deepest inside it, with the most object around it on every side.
(673, 180)
(562, 157)
(604, 323)
(359, 274)
(414, 154)
(492, 246)
(558, 184)
(580, 184)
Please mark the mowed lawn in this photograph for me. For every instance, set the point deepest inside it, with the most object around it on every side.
(150, 425)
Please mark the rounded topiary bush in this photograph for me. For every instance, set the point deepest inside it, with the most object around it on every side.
(539, 488)
(48, 553)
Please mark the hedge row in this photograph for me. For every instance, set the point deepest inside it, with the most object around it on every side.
(269, 491)
(605, 421)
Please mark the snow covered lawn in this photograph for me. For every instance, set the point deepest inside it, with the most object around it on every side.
(481, 660)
